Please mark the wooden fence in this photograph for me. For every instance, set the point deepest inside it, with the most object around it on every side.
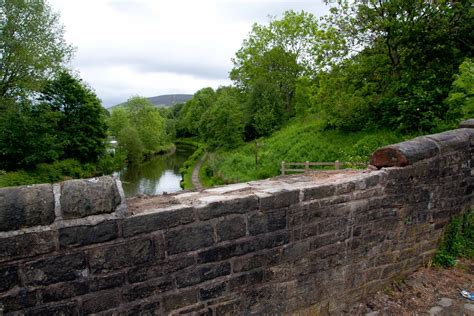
(305, 166)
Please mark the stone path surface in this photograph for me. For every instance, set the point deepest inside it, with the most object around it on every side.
(428, 291)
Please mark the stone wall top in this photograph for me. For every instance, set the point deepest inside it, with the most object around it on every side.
(424, 147)
(43, 204)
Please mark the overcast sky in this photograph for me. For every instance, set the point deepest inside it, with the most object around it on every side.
(155, 47)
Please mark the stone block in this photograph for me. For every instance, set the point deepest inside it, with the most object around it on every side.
(213, 291)
(82, 198)
(18, 300)
(189, 238)
(269, 221)
(179, 300)
(231, 205)
(61, 291)
(27, 245)
(264, 259)
(231, 228)
(202, 273)
(119, 256)
(141, 309)
(54, 269)
(230, 308)
(68, 308)
(450, 141)
(149, 222)
(467, 124)
(224, 252)
(346, 187)
(318, 192)
(8, 278)
(279, 199)
(405, 153)
(143, 273)
(85, 235)
(106, 282)
(147, 289)
(100, 301)
(26, 206)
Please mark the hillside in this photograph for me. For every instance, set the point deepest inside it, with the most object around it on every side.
(299, 141)
(165, 100)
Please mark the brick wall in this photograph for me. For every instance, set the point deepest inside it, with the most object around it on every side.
(306, 243)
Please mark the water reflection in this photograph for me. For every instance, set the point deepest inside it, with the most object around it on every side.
(158, 175)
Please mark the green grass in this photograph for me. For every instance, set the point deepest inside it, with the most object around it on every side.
(458, 241)
(299, 141)
(188, 166)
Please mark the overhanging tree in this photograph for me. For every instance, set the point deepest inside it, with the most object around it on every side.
(32, 48)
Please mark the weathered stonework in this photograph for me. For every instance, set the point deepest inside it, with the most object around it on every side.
(310, 243)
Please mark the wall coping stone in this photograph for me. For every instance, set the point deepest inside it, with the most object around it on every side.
(28, 206)
(421, 148)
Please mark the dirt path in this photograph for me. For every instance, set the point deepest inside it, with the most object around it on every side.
(428, 291)
(195, 175)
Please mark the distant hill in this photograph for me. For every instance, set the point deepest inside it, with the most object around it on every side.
(165, 100)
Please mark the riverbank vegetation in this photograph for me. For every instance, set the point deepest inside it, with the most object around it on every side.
(139, 129)
(304, 88)
(308, 89)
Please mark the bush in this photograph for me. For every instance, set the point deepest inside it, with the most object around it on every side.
(458, 241)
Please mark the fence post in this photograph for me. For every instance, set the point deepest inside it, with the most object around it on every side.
(306, 166)
(337, 164)
(282, 168)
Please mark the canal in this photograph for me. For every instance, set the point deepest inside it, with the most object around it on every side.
(155, 176)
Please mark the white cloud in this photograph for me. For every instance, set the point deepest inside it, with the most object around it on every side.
(153, 47)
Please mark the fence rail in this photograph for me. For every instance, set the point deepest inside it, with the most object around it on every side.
(287, 166)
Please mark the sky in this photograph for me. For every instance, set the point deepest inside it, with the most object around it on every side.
(155, 47)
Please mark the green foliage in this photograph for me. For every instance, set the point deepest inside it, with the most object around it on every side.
(188, 166)
(53, 172)
(222, 125)
(265, 108)
(298, 142)
(82, 127)
(140, 129)
(193, 110)
(461, 96)
(402, 73)
(458, 240)
(271, 61)
(67, 121)
(130, 144)
(32, 48)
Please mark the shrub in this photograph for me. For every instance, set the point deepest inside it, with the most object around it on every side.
(458, 241)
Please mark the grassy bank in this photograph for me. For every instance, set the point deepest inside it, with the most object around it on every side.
(298, 142)
(188, 166)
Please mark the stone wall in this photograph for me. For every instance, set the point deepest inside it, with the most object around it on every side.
(310, 243)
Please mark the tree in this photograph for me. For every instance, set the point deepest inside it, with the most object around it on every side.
(191, 113)
(30, 136)
(130, 143)
(282, 52)
(222, 125)
(83, 127)
(461, 96)
(408, 52)
(147, 121)
(32, 48)
(266, 109)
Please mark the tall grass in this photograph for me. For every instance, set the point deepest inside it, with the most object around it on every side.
(297, 142)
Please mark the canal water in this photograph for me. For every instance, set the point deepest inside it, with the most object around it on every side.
(155, 176)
